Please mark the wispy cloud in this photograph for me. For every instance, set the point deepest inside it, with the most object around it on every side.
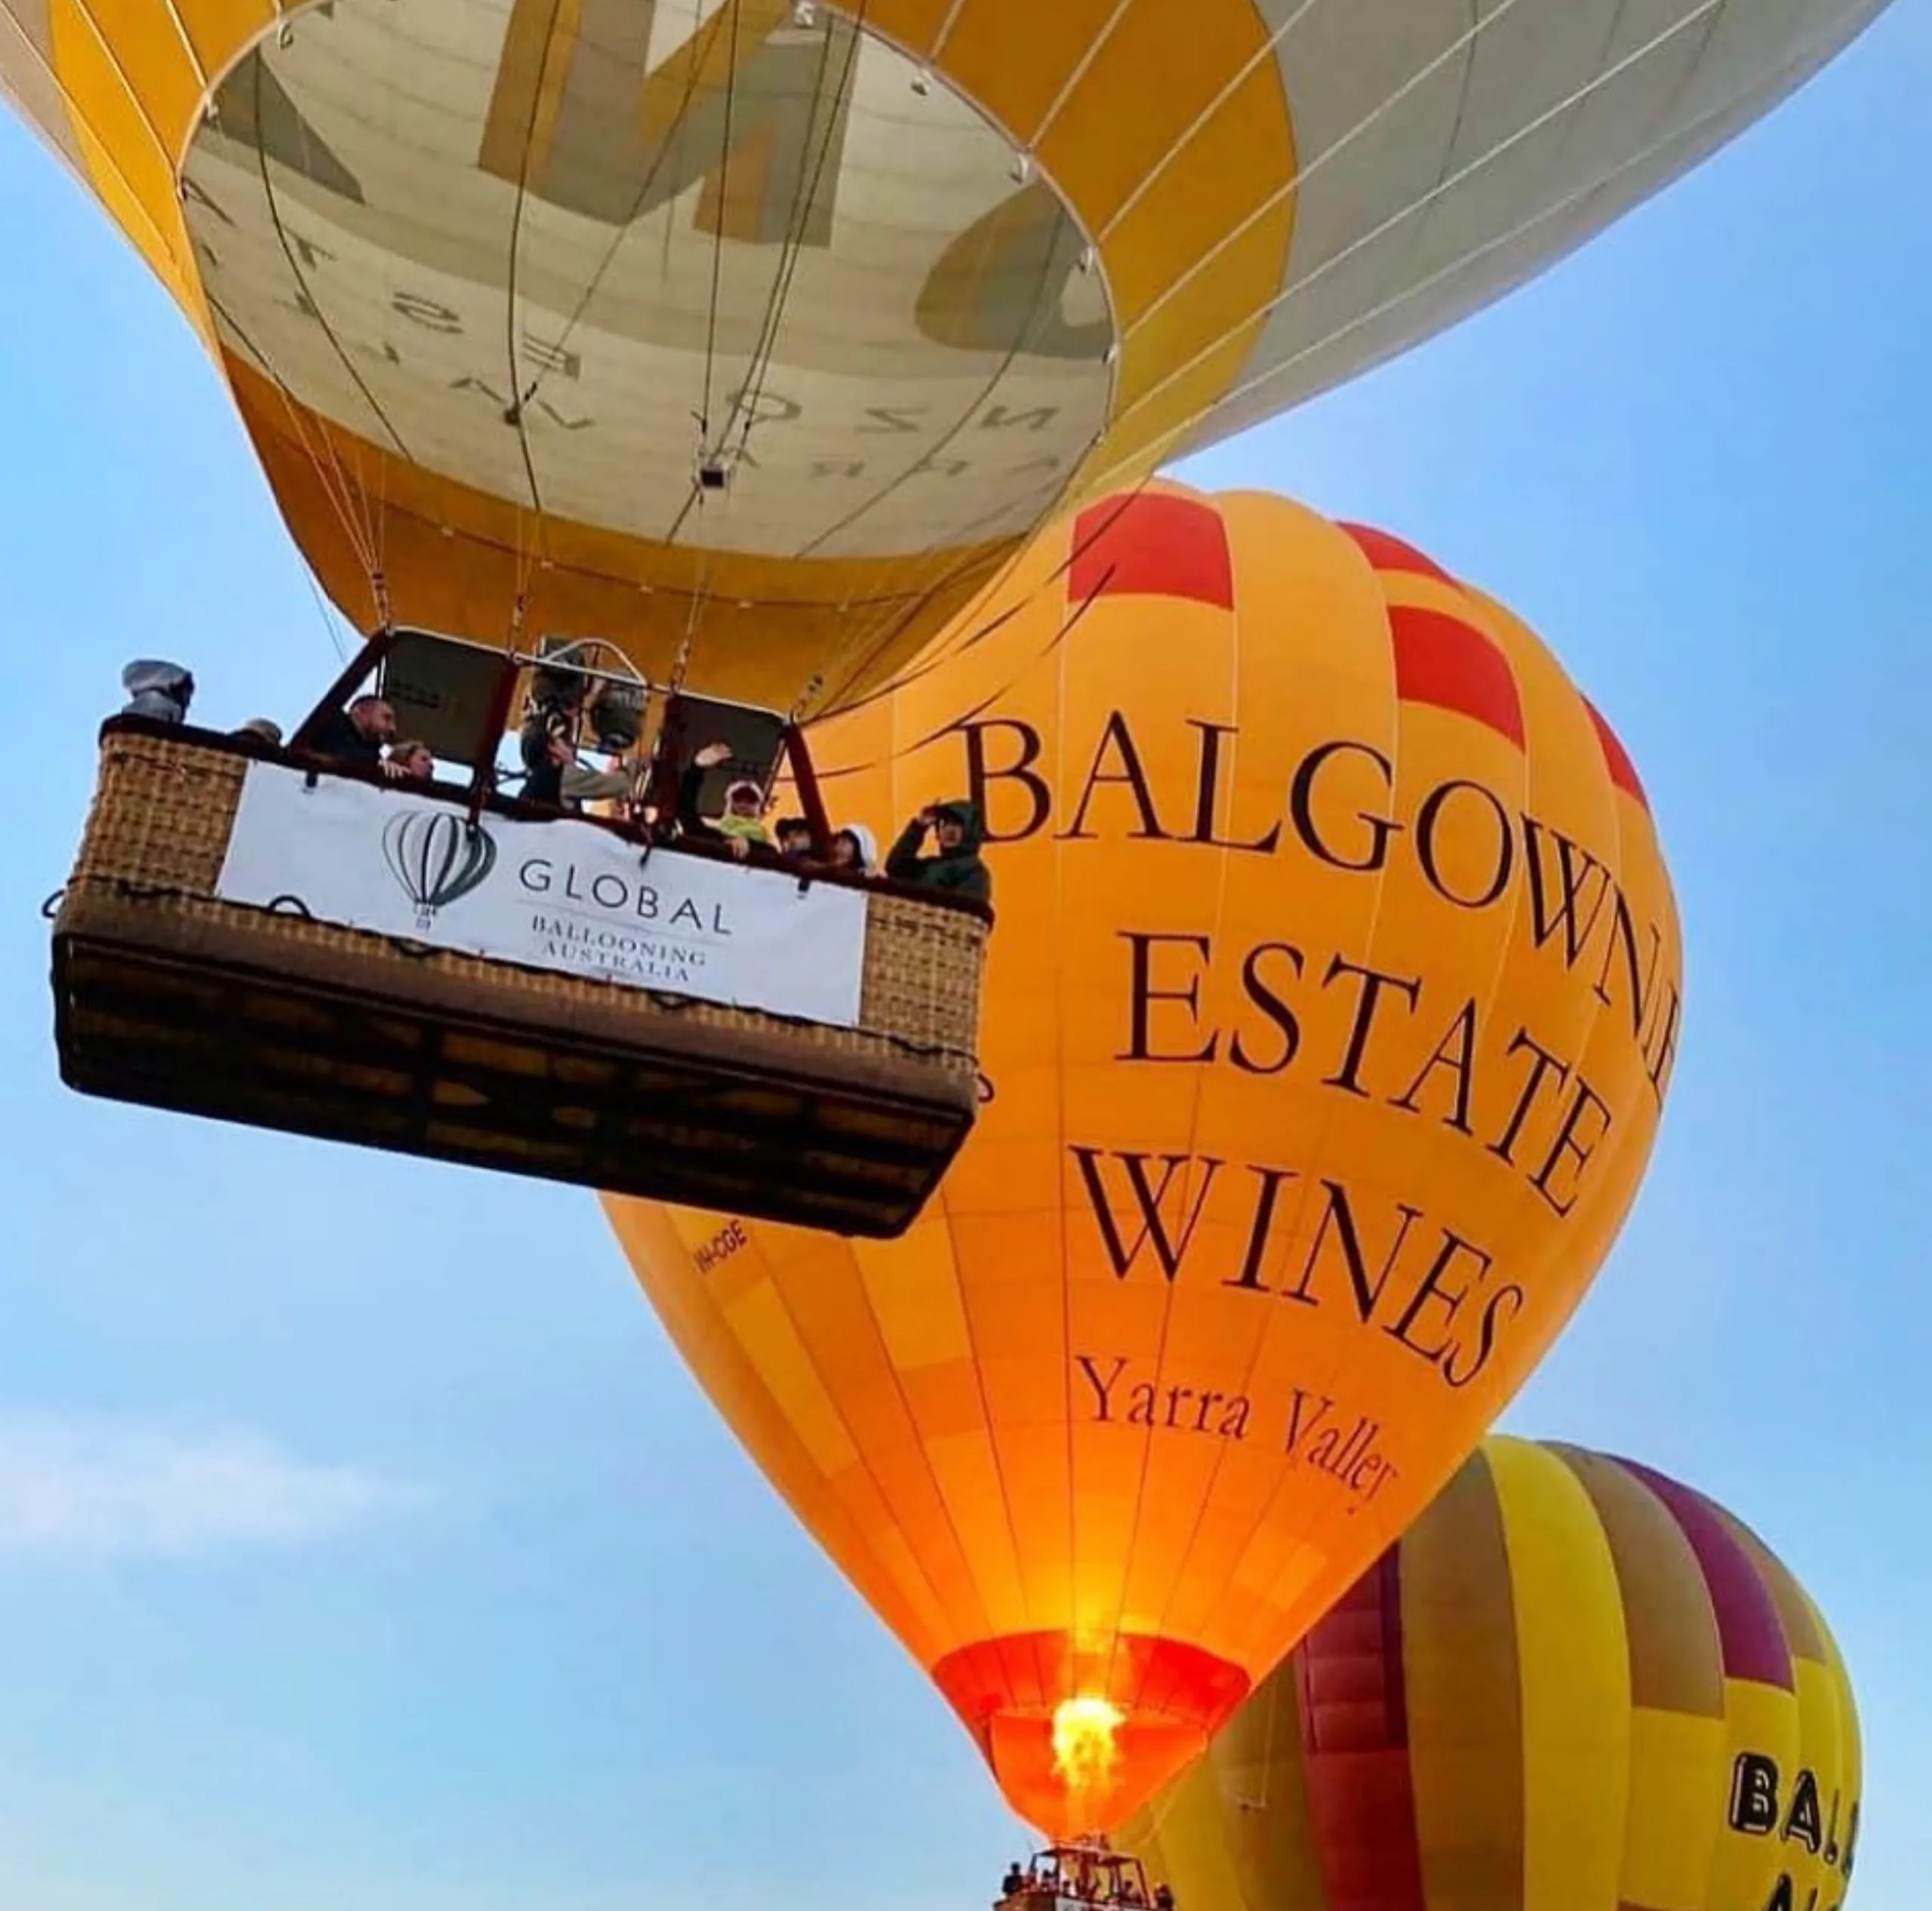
(89, 1488)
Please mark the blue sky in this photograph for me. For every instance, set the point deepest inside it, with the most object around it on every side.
(361, 1543)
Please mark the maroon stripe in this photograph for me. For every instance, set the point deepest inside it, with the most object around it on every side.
(1615, 758)
(1152, 545)
(1749, 1631)
(1355, 1731)
(1388, 553)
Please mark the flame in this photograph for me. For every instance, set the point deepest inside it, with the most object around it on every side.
(1084, 1747)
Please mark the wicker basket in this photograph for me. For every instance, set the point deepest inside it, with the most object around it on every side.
(166, 995)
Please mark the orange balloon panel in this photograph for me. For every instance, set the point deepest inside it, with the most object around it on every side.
(1573, 1685)
(1332, 1003)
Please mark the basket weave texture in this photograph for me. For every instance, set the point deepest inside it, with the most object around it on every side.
(158, 830)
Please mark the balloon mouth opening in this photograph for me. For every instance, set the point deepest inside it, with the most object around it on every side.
(1079, 1738)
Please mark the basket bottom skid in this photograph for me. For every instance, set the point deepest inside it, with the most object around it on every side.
(684, 1120)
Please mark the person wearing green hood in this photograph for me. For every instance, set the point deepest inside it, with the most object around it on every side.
(959, 832)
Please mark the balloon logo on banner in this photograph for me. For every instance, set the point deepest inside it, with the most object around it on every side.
(1332, 1001)
(438, 858)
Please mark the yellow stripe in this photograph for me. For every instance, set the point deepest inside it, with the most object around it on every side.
(1680, 1782)
(1679, 1779)
(1818, 1754)
(123, 150)
(1851, 1763)
(1763, 1723)
(1575, 1667)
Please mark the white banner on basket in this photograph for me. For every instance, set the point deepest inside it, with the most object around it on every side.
(560, 895)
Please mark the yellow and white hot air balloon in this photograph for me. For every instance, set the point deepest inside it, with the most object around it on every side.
(754, 334)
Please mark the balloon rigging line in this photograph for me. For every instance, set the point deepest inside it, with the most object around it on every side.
(356, 529)
(322, 611)
(370, 551)
(694, 498)
(945, 27)
(1038, 307)
(1094, 45)
(113, 59)
(627, 226)
(792, 250)
(1679, 135)
(309, 300)
(745, 403)
(96, 143)
(1280, 300)
(1115, 505)
(717, 231)
(514, 416)
(180, 26)
(1386, 103)
(1259, 57)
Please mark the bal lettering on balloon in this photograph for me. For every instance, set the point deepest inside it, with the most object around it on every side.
(1333, 999)
(1573, 1685)
(754, 337)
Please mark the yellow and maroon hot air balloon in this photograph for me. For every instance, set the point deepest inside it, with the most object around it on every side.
(1332, 1000)
(754, 333)
(1573, 1685)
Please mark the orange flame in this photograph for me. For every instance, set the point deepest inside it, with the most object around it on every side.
(1085, 1749)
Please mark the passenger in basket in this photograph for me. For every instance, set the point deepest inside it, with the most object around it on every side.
(855, 850)
(743, 822)
(161, 691)
(413, 761)
(547, 744)
(959, 832)
(357, 735)
(795, 838)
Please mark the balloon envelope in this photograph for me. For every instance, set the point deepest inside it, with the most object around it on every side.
(1573, 1685)
(1332, 1002)
(754, 334)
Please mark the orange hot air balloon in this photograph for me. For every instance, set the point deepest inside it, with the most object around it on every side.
(1573, 1685)
(1332, 998)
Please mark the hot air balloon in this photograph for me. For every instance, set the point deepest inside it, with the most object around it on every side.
(1329, 1018)
(1573, 1685)
(755, 333)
